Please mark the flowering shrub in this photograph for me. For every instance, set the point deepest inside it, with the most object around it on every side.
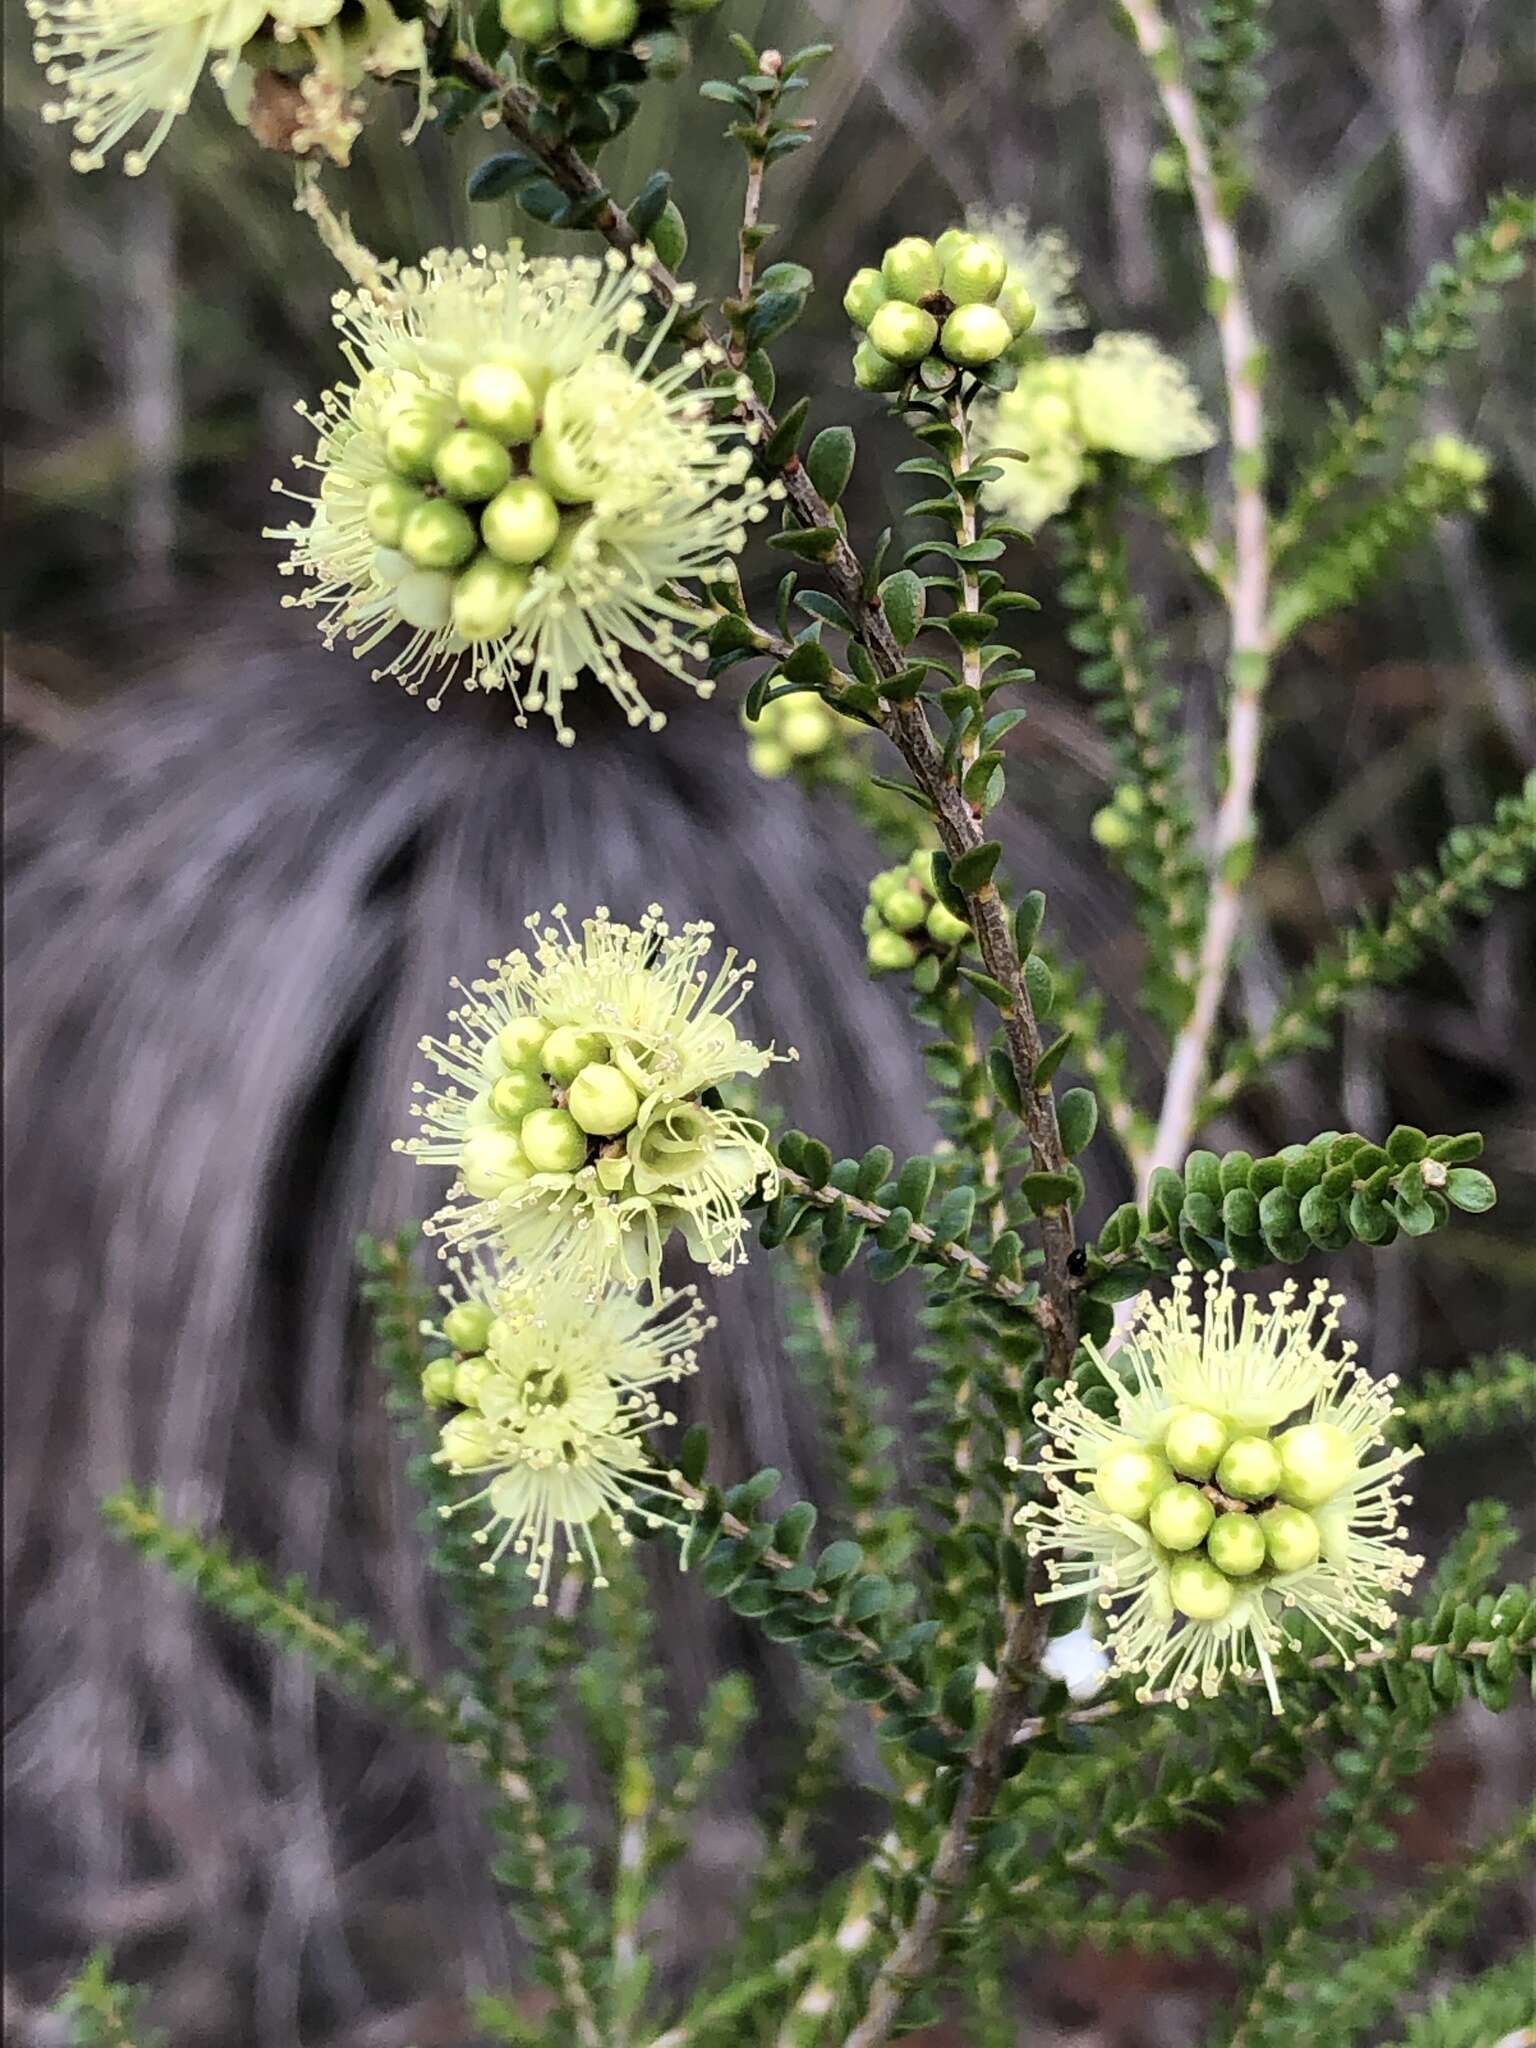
(541, 469)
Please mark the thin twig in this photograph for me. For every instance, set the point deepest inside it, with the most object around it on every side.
(1248, 659)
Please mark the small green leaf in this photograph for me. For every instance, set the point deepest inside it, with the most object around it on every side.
(1051, 1190)
(829, 462)
(973, 870)
(1077, 1114)
(903, 599)
(1468, 1189)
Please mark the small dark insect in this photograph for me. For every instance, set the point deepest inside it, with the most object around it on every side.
(1077, 1263)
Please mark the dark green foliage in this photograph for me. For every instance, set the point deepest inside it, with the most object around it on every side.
(1339, 1189)
(1230, 42)
(1483, 1398)
(1491, 2008)
(1472, 862)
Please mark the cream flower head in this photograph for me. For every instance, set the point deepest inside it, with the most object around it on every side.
(1239, 1481)
(554, 1410)
(581, 1110)
(1041, 260)
(1134, 400)
(517, 482)
(124, 62)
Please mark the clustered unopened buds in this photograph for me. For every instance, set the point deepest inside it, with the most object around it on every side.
(794, 731)
(1238, 1483)
(512, 488)
(935, 308)
(905, 923)
(599, 24)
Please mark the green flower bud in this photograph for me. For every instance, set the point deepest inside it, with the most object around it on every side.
(921, 865)
(1180, 1517)
(1249, 1468)
(806, 728)
(1112, 829)
(469, 1380)
(521, 1043)
(904, 910)
(437, 1382)
(975, 336)
(424, 599)
(471, 466)
(770, 760)
(975, 273)
(467, 1325)
(521, 523)
(865, 295)
(602, 1101)
(889, 953)
(553, 1141)
(886, 883)
(567, 1050)
(492, 1161)
(1291, 1538)
(486, 598)
(412, 437)
(1129, 1479)
(389, 505)
(532, 21)
(1199, 1590)
(437, 535)
(514, 1095)
(469, 1442)
(560, 469)
(600, 24)
(875, 372)
(1017, 308)
(912, 269)
(870, 920)
(952, 240)
(497, 396)
(1195, 1441)
(903, 333)
(1315, 1460)
(1236, 1545)
(944, 928)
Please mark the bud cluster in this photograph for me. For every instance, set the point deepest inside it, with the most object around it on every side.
(586, 48)
(793, 731)
(933, 309)
(905, 922)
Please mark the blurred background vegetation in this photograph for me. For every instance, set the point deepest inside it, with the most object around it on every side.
(158, 334)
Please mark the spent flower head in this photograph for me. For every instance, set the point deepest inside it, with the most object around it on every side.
(581, 1109)
(122, 63)
(553, 1405)
(516, 481)
(1235, 1482)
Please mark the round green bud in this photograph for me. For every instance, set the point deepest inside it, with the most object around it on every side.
(497, 396)
(865, 295)
(1199, 1590)
(1249, 1468)
(1180, 1517)
(1195, 1441)
(469, 1442)
(600, 24)
(471, 466)
(1111, 829)
(912, 269)
(553, 1141)
(806, 728)
(904, 910)
(486, 598)
(902, 332)
(975, 273)
(1167, 169)
(950, 241)
(921, 865)
(424, 599)
(470, 1379)
(886, 883)
(437, 1382)
(521, 1042)
(768, 759)
(602, 1101)
(944, 928)
(521, 523)
(1315, 1460)
(889, 953)
(532, 21)
(1291, 1538)
(875, 372)
(437, 535)
(567, 1050)
(390, 567)
(514, 1095)
(1129, 1479)
(559, 469)
(1236, 1545)
(975, 336)
(492, 1161)
(467, 1325)
(1017, 308)
(389, 505)
(412, 436)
